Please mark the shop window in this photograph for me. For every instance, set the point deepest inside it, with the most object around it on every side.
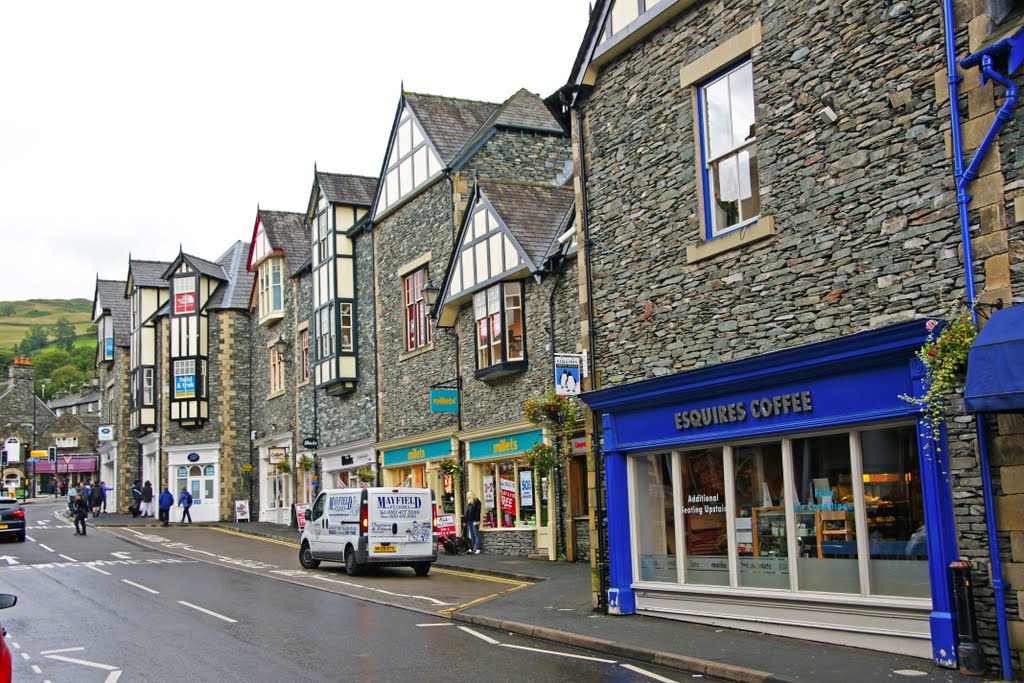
(656, 527)
(761, 532)
(417, 315)
(704, 522)
(514, 496)
(895, 513)
(498, 312)
(824, 486)
(579, 499)
(729, 150)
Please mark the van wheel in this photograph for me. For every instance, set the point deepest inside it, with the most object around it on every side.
(352, 568)
(306, 558)
(421, 568)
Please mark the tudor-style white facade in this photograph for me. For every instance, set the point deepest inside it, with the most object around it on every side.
(147, 292)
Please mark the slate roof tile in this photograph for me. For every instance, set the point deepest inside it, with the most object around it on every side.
(287, 231)
(449, 122)
(347, 189)
(533, 213)
(110, 294)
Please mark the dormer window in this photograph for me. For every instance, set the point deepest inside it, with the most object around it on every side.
(271, 292)
(500, 346)
(411, 162)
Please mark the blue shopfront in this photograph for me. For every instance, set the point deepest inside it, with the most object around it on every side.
(792, 493)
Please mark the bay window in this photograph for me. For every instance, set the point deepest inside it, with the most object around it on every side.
(498, 316)
(271, 293)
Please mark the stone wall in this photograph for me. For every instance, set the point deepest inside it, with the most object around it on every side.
(518, 543)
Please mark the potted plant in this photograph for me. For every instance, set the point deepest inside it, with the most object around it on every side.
(944, 355)
(305, 463)
(450, 467)
(284, 466)
(557, 413)
(365, 475)
(540, 458)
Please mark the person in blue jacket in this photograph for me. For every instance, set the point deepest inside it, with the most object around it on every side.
(185, 501)
(166, 503)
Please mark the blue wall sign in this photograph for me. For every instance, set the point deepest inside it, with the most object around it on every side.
(193, 457)
(184, 386)
(418, 453)
(108, 347)
(511, 445)
(444, 400)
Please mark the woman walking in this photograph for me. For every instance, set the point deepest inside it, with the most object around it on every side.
(472, 518)
(147, 500)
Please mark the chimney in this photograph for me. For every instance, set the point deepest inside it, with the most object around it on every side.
(21, 368)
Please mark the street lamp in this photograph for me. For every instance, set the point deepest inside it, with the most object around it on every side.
(280, 345)
(430, 293)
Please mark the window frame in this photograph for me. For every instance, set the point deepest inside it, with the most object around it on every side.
(275, 367)
(304, 353)
(504, 365)
(267, 288)
(417, 328)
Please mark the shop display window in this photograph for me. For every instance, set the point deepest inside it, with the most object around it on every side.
(656, 523)
(895, 513)
(704, 524)
(762, 538)
(823, 478)
(513, 496)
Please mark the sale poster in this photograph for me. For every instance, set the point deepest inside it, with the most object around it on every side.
(508, 496)
(488, 492)
(526, 487)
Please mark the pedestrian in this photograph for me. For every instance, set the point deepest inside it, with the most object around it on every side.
(72, 492)
(95, 500)
(81, 514)
(166, 501)
(63, 487)
(185, 501)
(472, 518)
(147, 500)
(104, 488)
(136, 506)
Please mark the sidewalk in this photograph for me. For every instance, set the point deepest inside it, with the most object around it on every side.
(557, 607)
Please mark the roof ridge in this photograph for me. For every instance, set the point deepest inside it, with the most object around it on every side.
(347, 175)
(451, 99)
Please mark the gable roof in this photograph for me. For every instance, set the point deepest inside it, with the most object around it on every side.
(200, 265)
(287, 233)
(341, 188)
(532, 213)
(524, 110)
(447, 121)
(112, 301)
(234, 293)
(589, 42)
(146, 274)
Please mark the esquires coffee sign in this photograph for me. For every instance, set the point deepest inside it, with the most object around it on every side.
(756, 408)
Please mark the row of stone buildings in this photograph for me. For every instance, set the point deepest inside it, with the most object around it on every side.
(742, 217)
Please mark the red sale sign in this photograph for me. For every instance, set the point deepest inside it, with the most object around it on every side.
(508, 496)
(445, 525)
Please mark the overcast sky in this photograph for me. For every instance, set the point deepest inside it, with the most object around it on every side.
(133, 127)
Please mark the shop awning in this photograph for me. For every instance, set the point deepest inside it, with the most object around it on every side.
(995, 366)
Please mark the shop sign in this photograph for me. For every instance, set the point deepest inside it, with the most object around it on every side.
(108, 347)
(510, 445)
(488, 492)
(579, 445)
(300, 515)
(444, 400)
(420, 452)
(185, 302)
(184, 386)
(106, 433)
(568, 368)
(508, 496)
(310, 442)
(526, 487)
(756, 408)
(241, 511)
(445, 525)
(193, 457)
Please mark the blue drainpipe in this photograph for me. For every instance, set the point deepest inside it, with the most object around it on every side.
(963, 178)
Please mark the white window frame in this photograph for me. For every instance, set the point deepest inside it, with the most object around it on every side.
(270, 296)
(488, 303)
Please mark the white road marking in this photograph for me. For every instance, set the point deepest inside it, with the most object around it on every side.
(46, 547)
(206, 611)
(25, 656)
(16, 646)
(481, 636)
(140, 586)
(29, 538)
(97, 569)
(36, 669)
(65, 649)
(69, 559)
(11, 559)
(122, 556)
(559, 654)
(909, 672)
(448, 624)
(83, 662)
(645, 672)
(114, 675)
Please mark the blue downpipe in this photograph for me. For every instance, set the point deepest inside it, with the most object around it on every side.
(963, 178)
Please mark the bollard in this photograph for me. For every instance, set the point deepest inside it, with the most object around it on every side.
(969, 652)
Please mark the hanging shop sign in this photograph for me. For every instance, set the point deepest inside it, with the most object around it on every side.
(510, 445)
(310, 442)
(105, 433)
(444, 400)
(568, 371)
(418, 453)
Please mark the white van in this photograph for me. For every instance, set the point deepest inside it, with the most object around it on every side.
(374, 527)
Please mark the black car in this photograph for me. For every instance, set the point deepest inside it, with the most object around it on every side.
(12, 519)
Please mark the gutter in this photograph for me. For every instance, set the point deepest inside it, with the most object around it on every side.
(963, 177)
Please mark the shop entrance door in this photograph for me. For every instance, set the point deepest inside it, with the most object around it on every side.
(200, 480)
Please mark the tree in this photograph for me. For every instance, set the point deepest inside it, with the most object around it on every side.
(64, 334)
(6, 358)
(33, 340)
(65, 376)
(48, 360)
(84, 358)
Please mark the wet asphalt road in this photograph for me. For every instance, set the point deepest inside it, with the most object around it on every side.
(100, 608)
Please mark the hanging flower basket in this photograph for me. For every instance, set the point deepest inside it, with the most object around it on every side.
(365, 475)
(305, 463)
(541, 458)
(247, 470)
(944, 355)
(557, 413)
(450, 467)
(284, 467)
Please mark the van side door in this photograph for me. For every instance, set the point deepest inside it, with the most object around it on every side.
(316, 527)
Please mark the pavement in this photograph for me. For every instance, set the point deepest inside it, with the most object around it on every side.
(557, 607)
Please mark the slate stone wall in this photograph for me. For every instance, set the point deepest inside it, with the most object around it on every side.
(522, 157)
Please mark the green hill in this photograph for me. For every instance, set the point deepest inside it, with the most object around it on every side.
(16, 317)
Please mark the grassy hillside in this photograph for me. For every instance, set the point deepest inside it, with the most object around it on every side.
(16, 317)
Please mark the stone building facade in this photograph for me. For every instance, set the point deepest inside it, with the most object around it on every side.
(21, 412)
(838, 230)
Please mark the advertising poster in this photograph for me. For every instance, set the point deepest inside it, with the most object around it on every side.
(184, 386)
(488, 492)
(185, 302)
(526, 488)
(445, 525)
(241, 511)
(508, 496)
(300, 515)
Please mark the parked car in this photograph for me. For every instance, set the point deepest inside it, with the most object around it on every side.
(5, 654)
(12, 518)
(374, 527)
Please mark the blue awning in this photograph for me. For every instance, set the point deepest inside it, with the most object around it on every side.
(995, 366)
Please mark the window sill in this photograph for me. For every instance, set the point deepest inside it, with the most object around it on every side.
(500, 370)
(275, 394)
(406, 355)
(755, 232)
(271, 318)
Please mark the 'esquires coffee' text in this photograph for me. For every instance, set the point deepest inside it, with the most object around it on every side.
(767, 406)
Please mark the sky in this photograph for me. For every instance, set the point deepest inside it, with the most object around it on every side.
(138, 128)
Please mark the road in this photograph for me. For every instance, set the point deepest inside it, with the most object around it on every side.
(220, 608)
